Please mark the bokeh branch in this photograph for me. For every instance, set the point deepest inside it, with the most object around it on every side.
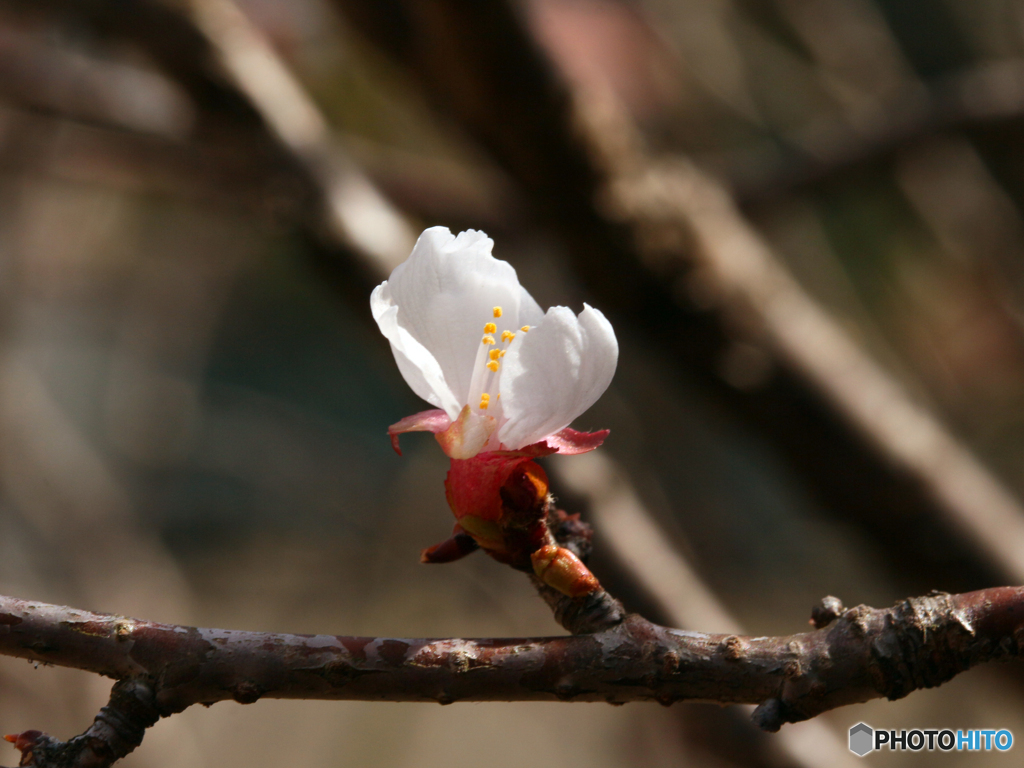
(662, 249)
(991, 93)
(247, 104)
(854, 655)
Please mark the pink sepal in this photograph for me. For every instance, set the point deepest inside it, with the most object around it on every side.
(567, 442)
(434, 420)
(532, 451)
(570, 442)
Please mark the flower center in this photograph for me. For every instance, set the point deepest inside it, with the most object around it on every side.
(487, 367)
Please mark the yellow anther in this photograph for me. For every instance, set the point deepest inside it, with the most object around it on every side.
(525, 328)
(490, 328)
(484, 402)
(507, 335)
(500, 354)
(495, 354)
(488, 340)
(493, 366)
(485, 397)
(497, 312)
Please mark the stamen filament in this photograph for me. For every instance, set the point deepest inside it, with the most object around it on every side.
(487, 369)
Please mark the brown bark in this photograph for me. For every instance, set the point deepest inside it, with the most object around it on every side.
(854, 655)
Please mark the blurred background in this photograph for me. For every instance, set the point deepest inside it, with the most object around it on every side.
(803, 217)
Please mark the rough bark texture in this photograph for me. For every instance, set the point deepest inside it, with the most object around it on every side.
(852, 655)
(117, 730)
(855, 655)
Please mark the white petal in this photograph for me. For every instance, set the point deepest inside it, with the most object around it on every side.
(468, 435)
(554, 373)
(445, 293)
(418, 367)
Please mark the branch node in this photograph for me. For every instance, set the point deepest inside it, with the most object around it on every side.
(770, 715)
(791, 669)
(830, 609)
(922, 645)
(858, 619)
(117, 730)
(584, 615)
(670, 664)
(247, 692)
(565, 690)
(1018, 638)
(734, 649)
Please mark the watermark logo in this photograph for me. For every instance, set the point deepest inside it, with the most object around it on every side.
(864, 739)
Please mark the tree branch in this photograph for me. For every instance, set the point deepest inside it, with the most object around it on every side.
(991, 93)
(310, 183)
(855, 655)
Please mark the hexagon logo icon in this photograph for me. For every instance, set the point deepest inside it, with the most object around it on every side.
(862, 739)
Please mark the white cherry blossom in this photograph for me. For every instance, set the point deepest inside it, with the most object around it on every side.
(472, 342)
